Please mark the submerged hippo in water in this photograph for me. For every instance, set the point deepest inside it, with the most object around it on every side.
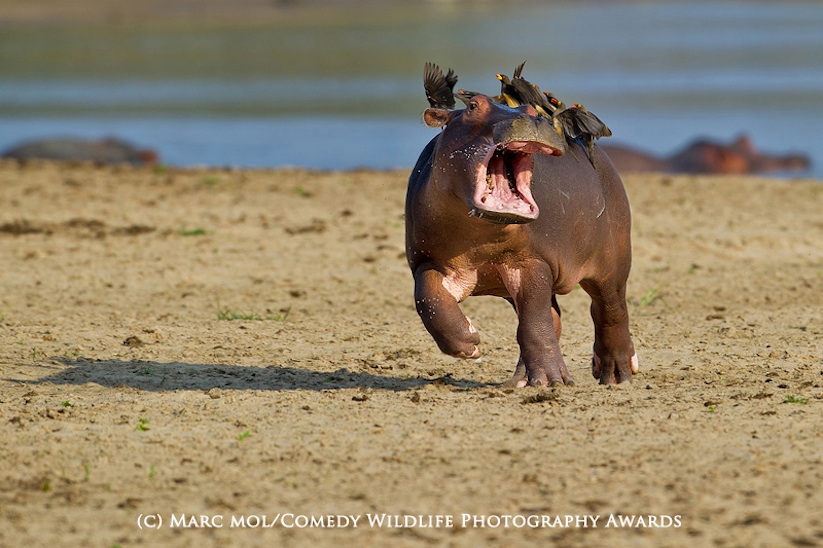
(706, 156)
(495, 207)
(101, 151)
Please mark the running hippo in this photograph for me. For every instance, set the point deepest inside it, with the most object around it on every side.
(103, 151)
(495, 207)
(706, 156)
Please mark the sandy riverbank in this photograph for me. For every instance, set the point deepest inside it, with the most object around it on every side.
(124, 393)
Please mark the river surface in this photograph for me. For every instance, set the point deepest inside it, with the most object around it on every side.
(345, 92)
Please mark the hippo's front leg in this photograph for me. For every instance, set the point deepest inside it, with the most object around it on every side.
(520, 378)
(538, 331)
(451, 330)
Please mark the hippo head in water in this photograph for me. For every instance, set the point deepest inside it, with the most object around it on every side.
(739, 157)
(494, 145)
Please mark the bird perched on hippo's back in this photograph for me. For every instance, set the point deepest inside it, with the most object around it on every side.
(575, 122)
(579, 122)
(508, 95)
(529, 93)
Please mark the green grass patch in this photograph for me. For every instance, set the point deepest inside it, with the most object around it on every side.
(183, 231)
(227, 314)
(143, 425)
(649, 297)
(795, 399)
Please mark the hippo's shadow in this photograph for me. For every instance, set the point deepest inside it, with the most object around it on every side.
(155, 376)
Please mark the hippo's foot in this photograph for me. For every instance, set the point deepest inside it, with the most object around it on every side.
(614, 360)
(460, 343)
(553, 375)
(452, 331)
(610, 370)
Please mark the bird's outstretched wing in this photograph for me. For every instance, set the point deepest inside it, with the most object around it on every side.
(589, 123)
(439, 88)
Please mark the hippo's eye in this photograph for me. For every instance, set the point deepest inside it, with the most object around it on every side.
(473, 105)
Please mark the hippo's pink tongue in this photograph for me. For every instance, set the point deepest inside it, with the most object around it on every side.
(503, 187)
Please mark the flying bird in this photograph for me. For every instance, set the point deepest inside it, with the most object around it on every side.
(439, 88)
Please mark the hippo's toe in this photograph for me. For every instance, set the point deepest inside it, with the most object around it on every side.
(551, 375)
(614, 371)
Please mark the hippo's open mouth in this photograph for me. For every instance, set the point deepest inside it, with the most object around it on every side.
(502, 191)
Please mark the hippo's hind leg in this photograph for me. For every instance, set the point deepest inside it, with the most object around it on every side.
(520, 378)
(451, 330)
(614, 360)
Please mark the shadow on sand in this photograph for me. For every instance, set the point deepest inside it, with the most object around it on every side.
(155, 376)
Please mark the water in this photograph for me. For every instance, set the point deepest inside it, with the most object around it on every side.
(347, 92)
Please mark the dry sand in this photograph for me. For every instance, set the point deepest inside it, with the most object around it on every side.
(122, 393)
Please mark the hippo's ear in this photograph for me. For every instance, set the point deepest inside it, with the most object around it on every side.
(436, 117)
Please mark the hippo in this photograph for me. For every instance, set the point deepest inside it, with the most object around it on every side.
(496, 207)
(709, 157)
(102, 151)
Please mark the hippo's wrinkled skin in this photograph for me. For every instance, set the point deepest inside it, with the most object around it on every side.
(707, 156)
(495, 207)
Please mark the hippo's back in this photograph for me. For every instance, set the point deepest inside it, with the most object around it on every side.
(105, 151)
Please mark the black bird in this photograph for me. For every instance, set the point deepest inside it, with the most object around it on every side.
(529, 93)
(575, 122)
(518, 70)
(439, 88)
(508, 94)
(579, 122)
(555, 103)
(556, 106)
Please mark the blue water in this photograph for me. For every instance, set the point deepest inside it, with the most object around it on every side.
(345, 95)
(242, 141)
